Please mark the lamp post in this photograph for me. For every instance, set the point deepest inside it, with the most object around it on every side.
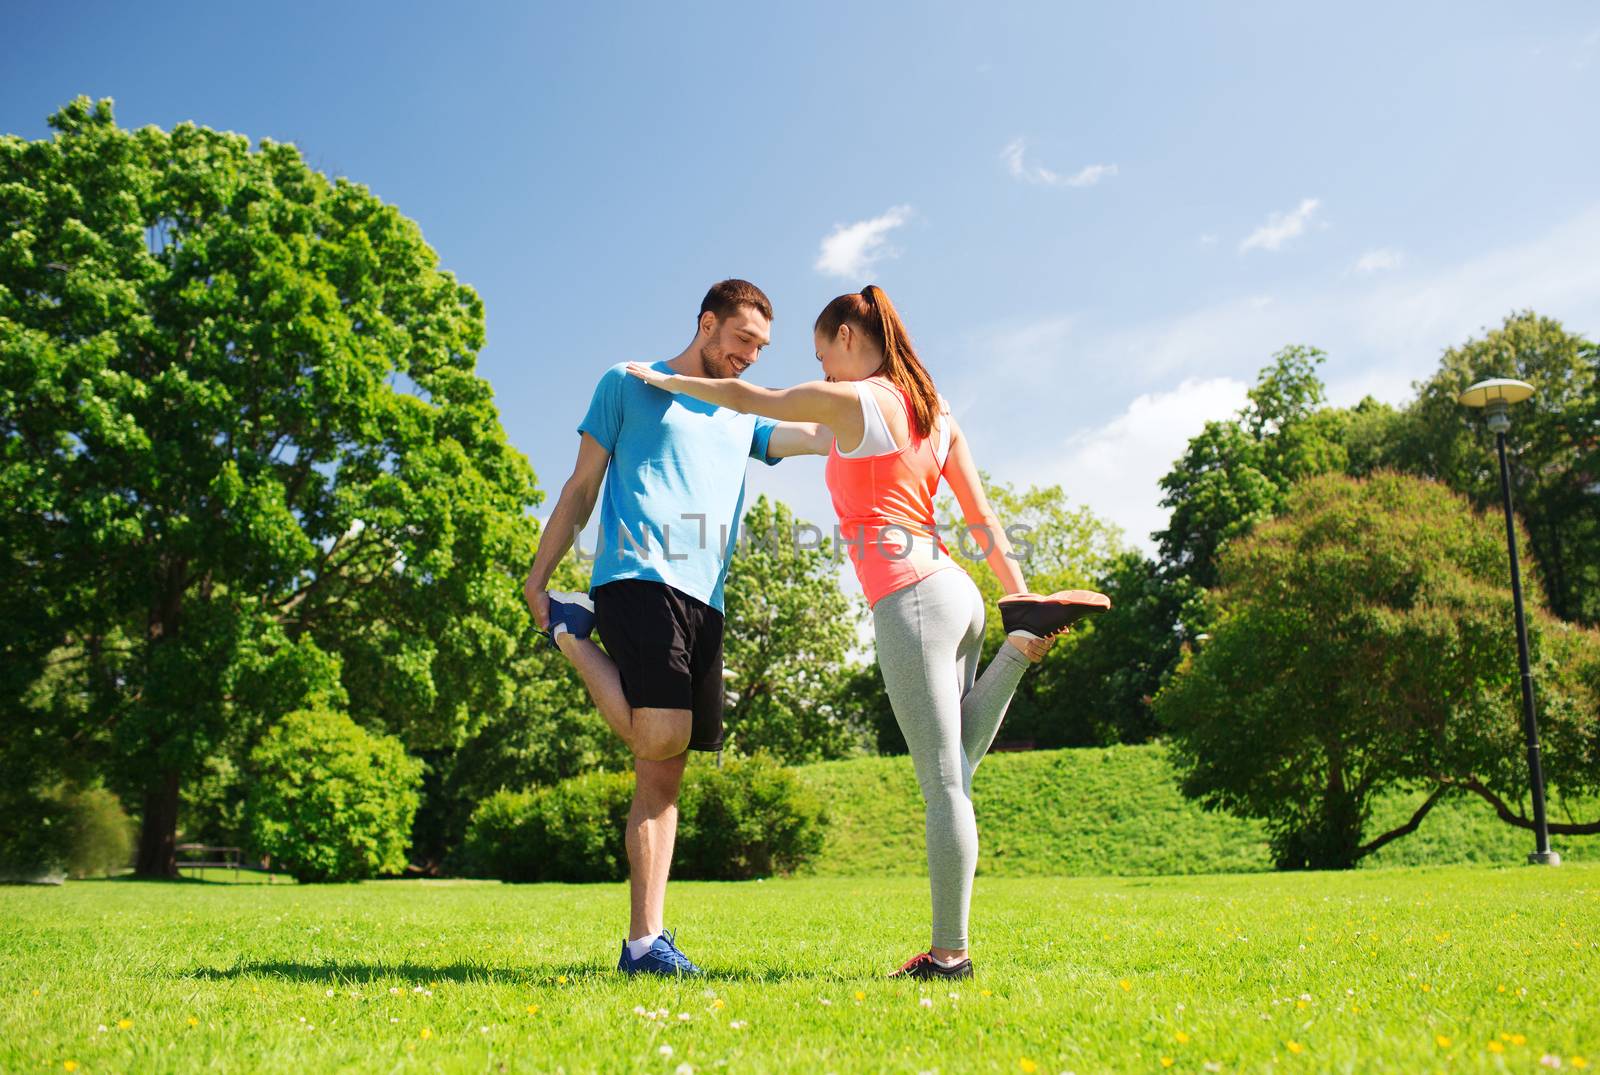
(1496, 397)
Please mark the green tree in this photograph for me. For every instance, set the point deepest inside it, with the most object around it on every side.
(1554, 447)
(249, 464)
(1106, 680)
(1360, 643)
(789, 631)
(1060, 547)
(1236, 473)
(549, 731)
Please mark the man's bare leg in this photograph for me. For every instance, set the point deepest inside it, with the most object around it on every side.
(652, 830)
(599, 674)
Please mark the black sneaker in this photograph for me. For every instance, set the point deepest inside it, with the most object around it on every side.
(923, 965)
(1037, 616)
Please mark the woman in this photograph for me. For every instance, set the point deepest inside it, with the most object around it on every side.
(894, 440)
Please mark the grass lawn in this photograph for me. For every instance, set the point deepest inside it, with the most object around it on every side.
(1431, 969)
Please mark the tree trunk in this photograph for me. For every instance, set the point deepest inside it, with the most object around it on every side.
(158, 833)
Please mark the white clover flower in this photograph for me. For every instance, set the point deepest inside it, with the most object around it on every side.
(665, 1050)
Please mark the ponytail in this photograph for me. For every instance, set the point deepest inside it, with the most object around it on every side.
(872, 312)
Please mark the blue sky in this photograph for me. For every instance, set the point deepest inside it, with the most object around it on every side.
(1098, 220)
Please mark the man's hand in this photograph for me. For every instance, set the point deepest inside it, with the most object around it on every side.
(538, 599)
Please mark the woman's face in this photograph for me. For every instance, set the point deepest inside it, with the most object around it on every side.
(838, 356)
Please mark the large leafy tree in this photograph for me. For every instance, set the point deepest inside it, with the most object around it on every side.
(247, 463)
(1238, 472)
(1363, 642)
(789, 631)
(1554, 447)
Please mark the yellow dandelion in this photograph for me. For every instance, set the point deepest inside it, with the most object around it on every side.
(1579, 1062)
(1294, 1047)
(561, 979)
(860, 995)
(426, 1033)
(1166, 1061)
(1519, 1039)
(124, 1024)
(1426, 988)
(1444, 1042)
(70, 1065)
(1499, 989)
(1504, 1036)
(533, 1009)
(1027, 1065)
(1126, 985)
(1302, 1005)
(1181, 1037)
(720, 1004)
(1496, 1047)
(1355, 1009)
(193, 1021)
(986, 992)
(37, 992)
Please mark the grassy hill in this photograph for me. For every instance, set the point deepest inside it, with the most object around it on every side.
(1116, 811)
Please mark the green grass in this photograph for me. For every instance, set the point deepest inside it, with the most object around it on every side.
(1117, 811)
(1370, 971)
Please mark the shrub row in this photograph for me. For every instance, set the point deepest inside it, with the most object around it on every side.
(747, 818)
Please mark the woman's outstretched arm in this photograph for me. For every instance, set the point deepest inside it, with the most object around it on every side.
(836, 406)
(962, 474)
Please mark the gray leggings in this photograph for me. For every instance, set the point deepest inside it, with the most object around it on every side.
(929, 636)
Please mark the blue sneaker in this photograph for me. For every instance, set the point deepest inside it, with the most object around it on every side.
(575, 610)
(662, 958)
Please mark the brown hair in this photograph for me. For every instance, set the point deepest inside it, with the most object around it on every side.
(725, 298)
(871, 312)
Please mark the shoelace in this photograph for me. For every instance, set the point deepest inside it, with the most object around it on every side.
(678, 960)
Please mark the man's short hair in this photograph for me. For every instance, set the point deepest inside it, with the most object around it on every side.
(725, 298)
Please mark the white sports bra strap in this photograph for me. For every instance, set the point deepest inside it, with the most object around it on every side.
(876, 437)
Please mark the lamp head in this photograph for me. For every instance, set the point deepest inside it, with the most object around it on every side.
(1496, 397)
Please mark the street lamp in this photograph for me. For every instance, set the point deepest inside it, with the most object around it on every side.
(1496, 397)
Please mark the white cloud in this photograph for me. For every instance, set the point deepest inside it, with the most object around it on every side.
(1208, 239)
(1115, 468)
(1019, 168)
(1281, 227)
(1091, 174)
(1382, 332)
(1379, 260)
(853, 248)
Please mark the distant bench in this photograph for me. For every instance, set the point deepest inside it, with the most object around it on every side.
(218, 858)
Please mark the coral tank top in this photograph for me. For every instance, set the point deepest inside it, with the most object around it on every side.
(885, 508)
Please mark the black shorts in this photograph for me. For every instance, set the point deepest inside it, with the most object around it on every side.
(668, 648)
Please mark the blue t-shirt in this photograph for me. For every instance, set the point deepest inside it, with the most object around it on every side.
(674, 488)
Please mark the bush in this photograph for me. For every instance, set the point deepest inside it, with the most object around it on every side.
(101, 834)
(36, 839)
(330, 801)
(749, 818)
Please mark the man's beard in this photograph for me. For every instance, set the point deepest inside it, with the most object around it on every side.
(716, 362)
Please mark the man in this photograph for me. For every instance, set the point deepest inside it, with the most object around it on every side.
(673, 471)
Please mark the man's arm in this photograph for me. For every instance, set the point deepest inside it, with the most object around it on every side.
(573, 509)
(799, 438)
